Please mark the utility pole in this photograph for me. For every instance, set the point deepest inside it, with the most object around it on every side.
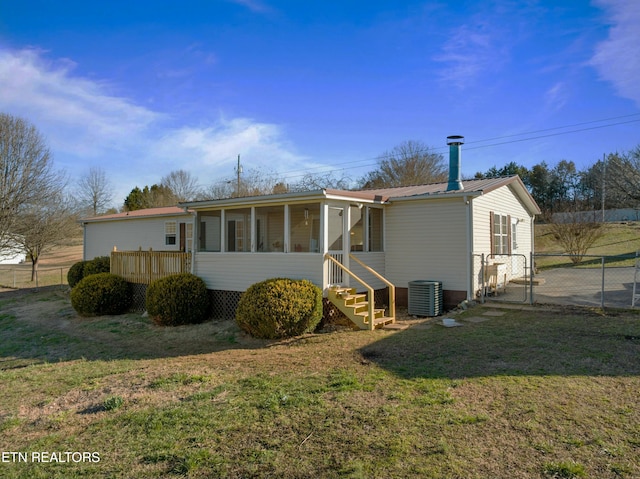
(604, 174)
(238, 171)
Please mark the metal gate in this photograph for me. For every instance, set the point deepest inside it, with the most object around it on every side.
(502, 277)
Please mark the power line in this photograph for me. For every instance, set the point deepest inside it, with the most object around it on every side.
(549, 135)
(369, 162)
(560, 128)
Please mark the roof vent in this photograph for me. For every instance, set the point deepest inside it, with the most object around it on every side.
(454, 142)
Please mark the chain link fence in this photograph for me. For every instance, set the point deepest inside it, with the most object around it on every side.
(596, 281)
(20, 277)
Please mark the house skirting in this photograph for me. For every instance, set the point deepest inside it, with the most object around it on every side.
(450, 298)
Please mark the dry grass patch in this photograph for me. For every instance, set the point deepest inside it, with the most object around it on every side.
(531, 394)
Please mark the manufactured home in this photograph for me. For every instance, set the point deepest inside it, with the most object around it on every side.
(366, 240)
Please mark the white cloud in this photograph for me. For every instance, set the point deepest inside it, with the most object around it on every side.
(470, 51)
(86, 124)
(617, 59)
(77, 115)
(556, 97)
(218, 146)
(256, 6)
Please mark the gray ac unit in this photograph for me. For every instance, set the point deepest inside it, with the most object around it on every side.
(425, 298)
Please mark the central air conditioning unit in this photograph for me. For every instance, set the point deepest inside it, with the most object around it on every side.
(425, 298)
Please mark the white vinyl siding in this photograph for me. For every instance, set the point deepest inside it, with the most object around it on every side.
(128, 235)
(501, 201)
(427, 240)
(376, 261)
(238, 271)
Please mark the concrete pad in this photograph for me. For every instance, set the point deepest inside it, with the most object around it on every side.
(450, 323)
(494, 313)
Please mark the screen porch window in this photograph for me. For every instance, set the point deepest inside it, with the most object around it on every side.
(304, 225)
(238, 224)
(209, 231)
(270, 229)
(366, 229)
(375, 230)
(170, 231)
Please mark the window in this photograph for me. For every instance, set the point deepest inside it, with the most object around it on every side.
(170, 233)
(304, 225)
(500, 234)
(270, 229)
(514, 234)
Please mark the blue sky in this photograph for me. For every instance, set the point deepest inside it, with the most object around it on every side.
(143, 88)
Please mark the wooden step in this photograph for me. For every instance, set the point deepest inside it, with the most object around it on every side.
(383, 321)
(356, 307)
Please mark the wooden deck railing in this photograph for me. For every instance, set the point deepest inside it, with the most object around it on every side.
(146, 266)
(390, 286)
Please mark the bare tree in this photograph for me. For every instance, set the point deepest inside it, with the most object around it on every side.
(316, 181)
(576, 232)
(253, 182)
(182, 184)
(26, 173)
(94, 191)
(44, 225)
(410, 163)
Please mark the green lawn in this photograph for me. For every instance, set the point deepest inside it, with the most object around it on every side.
(619, 239)
(526, 394)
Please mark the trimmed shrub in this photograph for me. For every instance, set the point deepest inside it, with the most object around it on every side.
(75, 273)
(99, 294)
(280, 308)
(100, 264)
(178, 299)
(82, 269)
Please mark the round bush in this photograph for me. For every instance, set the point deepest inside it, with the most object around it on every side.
(178, 299)
(100, 264)
(75, 273)
(82, 269)
(100, 294)
(280, 308)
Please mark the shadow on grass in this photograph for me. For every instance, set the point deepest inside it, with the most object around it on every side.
(567, 342)
(41, 326)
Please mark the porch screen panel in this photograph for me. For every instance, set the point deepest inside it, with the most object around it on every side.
(238, 233)
(376, 230)
(270, 229)
(304, 222)
(209, 231)
(356, 228)
(335, 226)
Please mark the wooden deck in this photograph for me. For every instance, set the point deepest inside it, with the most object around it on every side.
(143, 267)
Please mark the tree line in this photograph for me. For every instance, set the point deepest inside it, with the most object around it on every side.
(39, 208)
(613, 181)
